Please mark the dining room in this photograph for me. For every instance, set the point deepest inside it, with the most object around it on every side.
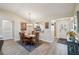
(29, 36)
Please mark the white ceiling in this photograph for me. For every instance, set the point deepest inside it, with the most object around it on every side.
(43, 10)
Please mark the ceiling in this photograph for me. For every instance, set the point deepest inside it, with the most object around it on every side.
(40, 10)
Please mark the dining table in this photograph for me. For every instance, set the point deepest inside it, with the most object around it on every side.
(30, 37)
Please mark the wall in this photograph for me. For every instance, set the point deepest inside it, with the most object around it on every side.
(76, 8)
(0, 28)
(15, 19)
(75, 14)
(46, 35)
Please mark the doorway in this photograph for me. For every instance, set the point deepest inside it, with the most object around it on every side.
(53, 28)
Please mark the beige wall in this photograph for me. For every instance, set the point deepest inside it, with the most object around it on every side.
(46, 35)
(15, 19)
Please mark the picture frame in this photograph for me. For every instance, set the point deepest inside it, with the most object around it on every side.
(23, 26)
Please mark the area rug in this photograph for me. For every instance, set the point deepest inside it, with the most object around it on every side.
(29, 47)
(62, 41)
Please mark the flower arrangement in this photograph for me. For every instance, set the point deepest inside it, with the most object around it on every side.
(72, 35)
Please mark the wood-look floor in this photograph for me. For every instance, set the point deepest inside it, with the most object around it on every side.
(10, 47)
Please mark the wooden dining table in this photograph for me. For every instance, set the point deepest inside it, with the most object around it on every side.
(31, 35)
(30, 38)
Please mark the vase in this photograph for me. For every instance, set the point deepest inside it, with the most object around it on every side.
(72, 39)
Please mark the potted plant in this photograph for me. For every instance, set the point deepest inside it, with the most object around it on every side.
(71, 36)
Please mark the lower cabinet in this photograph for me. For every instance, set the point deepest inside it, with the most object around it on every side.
(73, 48)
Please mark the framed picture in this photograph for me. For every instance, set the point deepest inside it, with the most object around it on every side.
(23, 26)
(46, 25)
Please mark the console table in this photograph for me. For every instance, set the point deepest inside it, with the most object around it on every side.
(73, 48)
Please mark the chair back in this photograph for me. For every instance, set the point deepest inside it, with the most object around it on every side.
(22, 36)
(37, 36)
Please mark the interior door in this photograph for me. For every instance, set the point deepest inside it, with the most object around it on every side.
(7, 29)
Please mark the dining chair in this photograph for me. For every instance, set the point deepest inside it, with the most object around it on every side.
(36, 38)
(23, 39)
